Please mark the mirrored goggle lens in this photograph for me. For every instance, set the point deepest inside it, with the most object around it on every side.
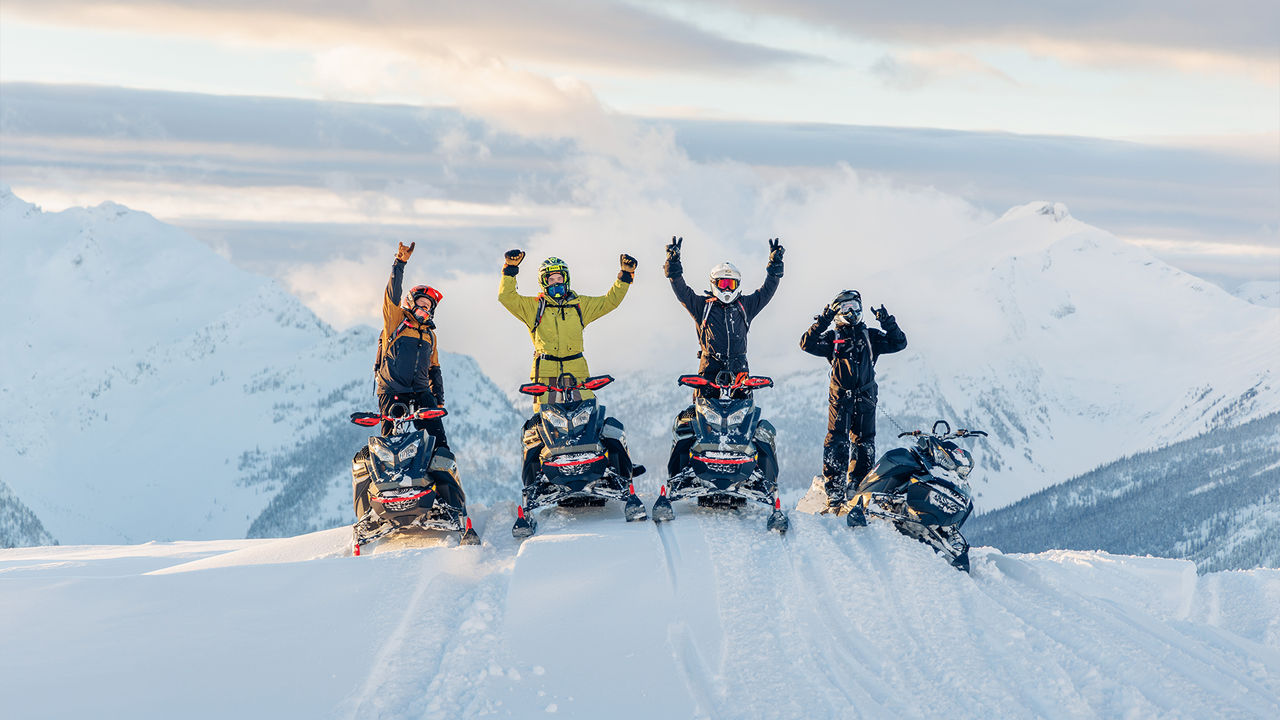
(850, 306)
(726, 283)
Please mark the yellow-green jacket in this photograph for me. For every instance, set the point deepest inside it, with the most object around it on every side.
(557, 335)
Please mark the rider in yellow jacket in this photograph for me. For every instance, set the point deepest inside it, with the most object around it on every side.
(556, 318)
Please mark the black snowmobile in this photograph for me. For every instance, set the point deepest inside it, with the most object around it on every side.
(583, 461)
(732, 458)
(404, 483)
(923, 491)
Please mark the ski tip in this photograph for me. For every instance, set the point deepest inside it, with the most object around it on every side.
(663, 491)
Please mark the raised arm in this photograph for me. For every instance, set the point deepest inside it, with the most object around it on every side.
(392, 315)
(756, 301)
(675, 273)
(525, 308)
(817, 340)
(892, 339)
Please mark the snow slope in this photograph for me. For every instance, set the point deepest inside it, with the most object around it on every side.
(709, 616)
(154, 391)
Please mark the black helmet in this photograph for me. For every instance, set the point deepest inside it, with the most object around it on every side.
(847, 306)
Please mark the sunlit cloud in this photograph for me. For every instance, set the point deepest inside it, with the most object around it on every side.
(617, 35)
(916, 70)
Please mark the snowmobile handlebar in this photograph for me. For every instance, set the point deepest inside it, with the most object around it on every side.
(946, 435)
(591, 383)
(368, 419)
(743, 381)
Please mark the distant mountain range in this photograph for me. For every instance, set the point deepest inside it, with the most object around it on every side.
(1214, 499)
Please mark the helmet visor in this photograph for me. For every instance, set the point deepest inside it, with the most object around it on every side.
(726, 283)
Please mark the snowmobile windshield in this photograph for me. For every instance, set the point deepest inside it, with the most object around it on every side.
(941, 456)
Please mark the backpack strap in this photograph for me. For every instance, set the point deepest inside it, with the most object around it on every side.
(542, 309)
(706, 313)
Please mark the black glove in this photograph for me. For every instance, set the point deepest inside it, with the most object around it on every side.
(673, 249)
(826, 315)
(512, 262)
(673, 266)
(628, 264)
(882, 315)
(775, 257)
(435, 381)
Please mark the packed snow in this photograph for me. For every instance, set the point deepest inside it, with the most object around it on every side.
(708, 616)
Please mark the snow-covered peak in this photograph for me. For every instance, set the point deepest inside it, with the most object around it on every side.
(1055, 211)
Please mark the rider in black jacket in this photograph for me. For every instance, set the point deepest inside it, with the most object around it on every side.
(722, 316)
(852, 349)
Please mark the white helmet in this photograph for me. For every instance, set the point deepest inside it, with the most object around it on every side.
(726, 282)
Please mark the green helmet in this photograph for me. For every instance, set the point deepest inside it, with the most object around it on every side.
(553, 265)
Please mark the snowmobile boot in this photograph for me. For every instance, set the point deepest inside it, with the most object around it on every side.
(835, 490)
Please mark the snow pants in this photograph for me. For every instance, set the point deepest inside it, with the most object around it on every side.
(850, 446)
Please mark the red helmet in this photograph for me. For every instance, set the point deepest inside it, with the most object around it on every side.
(418, 292)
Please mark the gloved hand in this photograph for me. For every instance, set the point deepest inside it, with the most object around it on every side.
(628, 263)
(775, 257)
(404, 251)
(512, 260)
(673, 266)
(826, 315)
(882, 315)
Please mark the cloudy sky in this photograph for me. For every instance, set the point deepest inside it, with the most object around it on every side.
(303, 138)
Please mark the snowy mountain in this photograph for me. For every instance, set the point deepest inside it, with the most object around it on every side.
(1071, 347)
(164, 394)
(707, 617)
(1260, 292)
(1213, 499)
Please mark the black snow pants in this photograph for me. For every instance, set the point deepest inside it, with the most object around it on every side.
(850, 446)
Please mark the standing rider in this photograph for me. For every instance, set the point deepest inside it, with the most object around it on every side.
(722, 316)
(852, 349)
(556, 318)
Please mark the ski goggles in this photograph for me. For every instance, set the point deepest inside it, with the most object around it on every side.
(726, 283)
(849, 306)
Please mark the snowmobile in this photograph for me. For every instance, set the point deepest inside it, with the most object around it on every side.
(923, 491)
(403, 483)
(583, 461)
(732, 459)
